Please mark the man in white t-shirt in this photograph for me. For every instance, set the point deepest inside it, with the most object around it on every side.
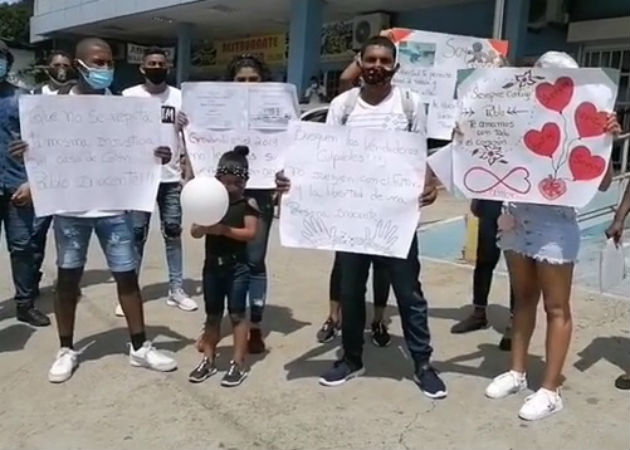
(60, 75)
(73, 230)
(155, 68)
(379, 105)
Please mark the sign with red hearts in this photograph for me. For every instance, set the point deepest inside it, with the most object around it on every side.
(533, 135)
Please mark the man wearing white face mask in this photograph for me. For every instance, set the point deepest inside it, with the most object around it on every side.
(73, 230)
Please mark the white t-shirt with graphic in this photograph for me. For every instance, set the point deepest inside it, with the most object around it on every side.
(171, 100)
(388, 114)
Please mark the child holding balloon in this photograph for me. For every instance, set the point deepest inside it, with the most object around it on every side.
(226, 272)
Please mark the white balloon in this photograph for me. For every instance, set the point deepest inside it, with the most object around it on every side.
(204, 201)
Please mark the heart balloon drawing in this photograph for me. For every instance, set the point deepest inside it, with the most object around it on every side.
(584, 165)
(544, 142)
(555, 96)
(552, 188)
(589, 121)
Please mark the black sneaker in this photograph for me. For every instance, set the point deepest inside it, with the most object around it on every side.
(623, 382)
(327, 332)
(380, 335)
(339, 373)
(430, 382)
(203, 371)
(470, 323)
(506, 340)
(234, 376)
(32, 316)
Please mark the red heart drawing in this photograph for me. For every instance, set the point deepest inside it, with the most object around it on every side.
(555, 96)
(552, 188)
(584, 165)
(544, 142)
(589, 121)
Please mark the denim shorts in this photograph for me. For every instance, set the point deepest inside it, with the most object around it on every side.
(225, 281)
(115, 234)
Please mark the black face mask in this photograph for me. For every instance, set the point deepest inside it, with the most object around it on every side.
(60, 76)
(378, 76)
(156, 75)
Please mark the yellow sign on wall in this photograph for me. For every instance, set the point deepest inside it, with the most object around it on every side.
(270, 48)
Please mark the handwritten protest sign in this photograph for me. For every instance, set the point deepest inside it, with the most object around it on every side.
(223, 115)
(91, 152)
(352, 189)
(533, 135)
(429, 63)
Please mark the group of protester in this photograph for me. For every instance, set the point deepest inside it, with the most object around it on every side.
(540, 242)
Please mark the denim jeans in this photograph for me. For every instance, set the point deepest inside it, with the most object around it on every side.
(72, 237)
(256, 254)
(38, 241)
(225, 281)
(18, 228)
(380, 282)
(404, 277)
(168, 200)
(488, 255)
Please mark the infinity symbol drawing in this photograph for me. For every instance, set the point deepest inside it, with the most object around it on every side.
(480, 180)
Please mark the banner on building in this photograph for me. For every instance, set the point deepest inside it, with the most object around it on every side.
(429, 63)
(533, 135)
(135, 53)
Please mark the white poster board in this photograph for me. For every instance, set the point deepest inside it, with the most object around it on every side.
(223, 115)
(533, 135)
(91, 152)
(428, 64)
(352, 189)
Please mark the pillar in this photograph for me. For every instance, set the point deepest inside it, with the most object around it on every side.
(515, 28)
(184, 52)
(304, 42)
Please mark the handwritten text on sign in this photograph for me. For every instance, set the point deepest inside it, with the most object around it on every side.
(223, 115)
(533, 135)
(429, 63)
(352, 190)
(91, 152)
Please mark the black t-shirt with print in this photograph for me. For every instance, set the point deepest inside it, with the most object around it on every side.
(223, 246)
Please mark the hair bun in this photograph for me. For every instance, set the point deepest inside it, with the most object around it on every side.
(242, 150)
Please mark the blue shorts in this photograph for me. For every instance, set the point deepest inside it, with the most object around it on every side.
(115, 234)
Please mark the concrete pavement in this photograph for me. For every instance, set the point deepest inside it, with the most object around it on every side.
(108, 404)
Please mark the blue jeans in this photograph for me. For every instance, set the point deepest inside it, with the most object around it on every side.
(168, 200)
(225, 281)
(256, 254)
(38, 241)
(72, 236)
(18, 228)
(404, 277)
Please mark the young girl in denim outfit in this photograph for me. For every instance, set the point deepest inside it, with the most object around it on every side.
(226, 272)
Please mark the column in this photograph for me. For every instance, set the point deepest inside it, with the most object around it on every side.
(184, 52)
(304, 42)
(515, 27)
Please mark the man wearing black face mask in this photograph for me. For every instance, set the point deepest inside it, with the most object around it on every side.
(155, 67)
(379, 105)
(59, 71)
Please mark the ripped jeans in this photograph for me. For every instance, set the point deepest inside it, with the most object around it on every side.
(168, 200)
(72, 237)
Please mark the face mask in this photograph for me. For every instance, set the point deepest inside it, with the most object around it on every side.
(377, 75)
(156, 75)
(4, 68)
(97, 78)
(60, 76)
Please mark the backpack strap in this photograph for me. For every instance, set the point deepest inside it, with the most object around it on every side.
(409, 108)
(350, 104)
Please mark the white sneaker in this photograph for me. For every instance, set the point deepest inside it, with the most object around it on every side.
(541, 404)
(179, 299)
(118, 311)
(62, 369)
(149, 357)
(506, 384)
